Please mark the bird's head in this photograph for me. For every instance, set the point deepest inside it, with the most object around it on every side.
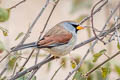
(76, 25)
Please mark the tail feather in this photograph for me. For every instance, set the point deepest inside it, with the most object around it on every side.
(24, 46)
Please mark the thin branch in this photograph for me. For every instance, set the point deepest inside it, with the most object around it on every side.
(32, 74)
(4, 70)
(77, 46)
(97, 10)
(33, 24)
(92, 21)
(14, 70)
(56, 71)
(8, 53)
(26, 60)
(17, 4)
(34, 71)
(32, 68)
(50, 15)
(92, 70)
(81, 61)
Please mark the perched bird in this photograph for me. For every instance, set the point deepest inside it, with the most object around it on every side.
(58, 41)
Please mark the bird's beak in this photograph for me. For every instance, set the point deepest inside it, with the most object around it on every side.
(80, 27)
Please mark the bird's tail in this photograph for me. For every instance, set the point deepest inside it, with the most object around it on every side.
(24, 46)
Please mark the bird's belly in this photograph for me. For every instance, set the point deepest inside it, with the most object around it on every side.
(62, 49)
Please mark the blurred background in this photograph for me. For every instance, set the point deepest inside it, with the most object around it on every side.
(22, 17)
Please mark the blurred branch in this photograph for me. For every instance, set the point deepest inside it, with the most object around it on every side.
(17, 4)
(37, 66)
(97, 10)
(56, 71)
(92, 21)
(26, 60)
(4, 70)
(92, 70)
(33, 24)
(8, 53)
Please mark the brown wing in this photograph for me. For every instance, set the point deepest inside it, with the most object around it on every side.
(55, 35)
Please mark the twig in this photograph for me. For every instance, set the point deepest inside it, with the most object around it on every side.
(48, 18)
(97, 10)
(32, 74)
(81, 61)
(77, 46)
(26, 60)
(17, 4)
(33, 24)
(14, 70)
(8, 53)
(56, 71)
(3, 71)
(34, 71)
(92, 70)
(32, 68)
(92, 21)
(36, 57)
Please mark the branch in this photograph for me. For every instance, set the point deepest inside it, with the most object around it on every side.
(33, 24)
(17, 4)
(97, 10)
(92, 70)
(56, 71)
(26, 60)
(92, 21)
(32, 68)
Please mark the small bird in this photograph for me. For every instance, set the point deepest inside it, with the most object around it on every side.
(58, 41)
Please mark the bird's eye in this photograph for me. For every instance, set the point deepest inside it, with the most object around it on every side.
(75, 25)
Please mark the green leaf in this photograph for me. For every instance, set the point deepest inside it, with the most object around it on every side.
(4, 14)
(97, 55)
(105, 71)
(25, 77)
(11, 62)
(118, 45)
(78, 76)
(2, 48)
(5, 31)
(48, 66)
(117, 69)
(19, 35)
(63, 61)
(73, 64)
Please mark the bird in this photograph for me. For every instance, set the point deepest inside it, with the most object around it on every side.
(58, 41)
